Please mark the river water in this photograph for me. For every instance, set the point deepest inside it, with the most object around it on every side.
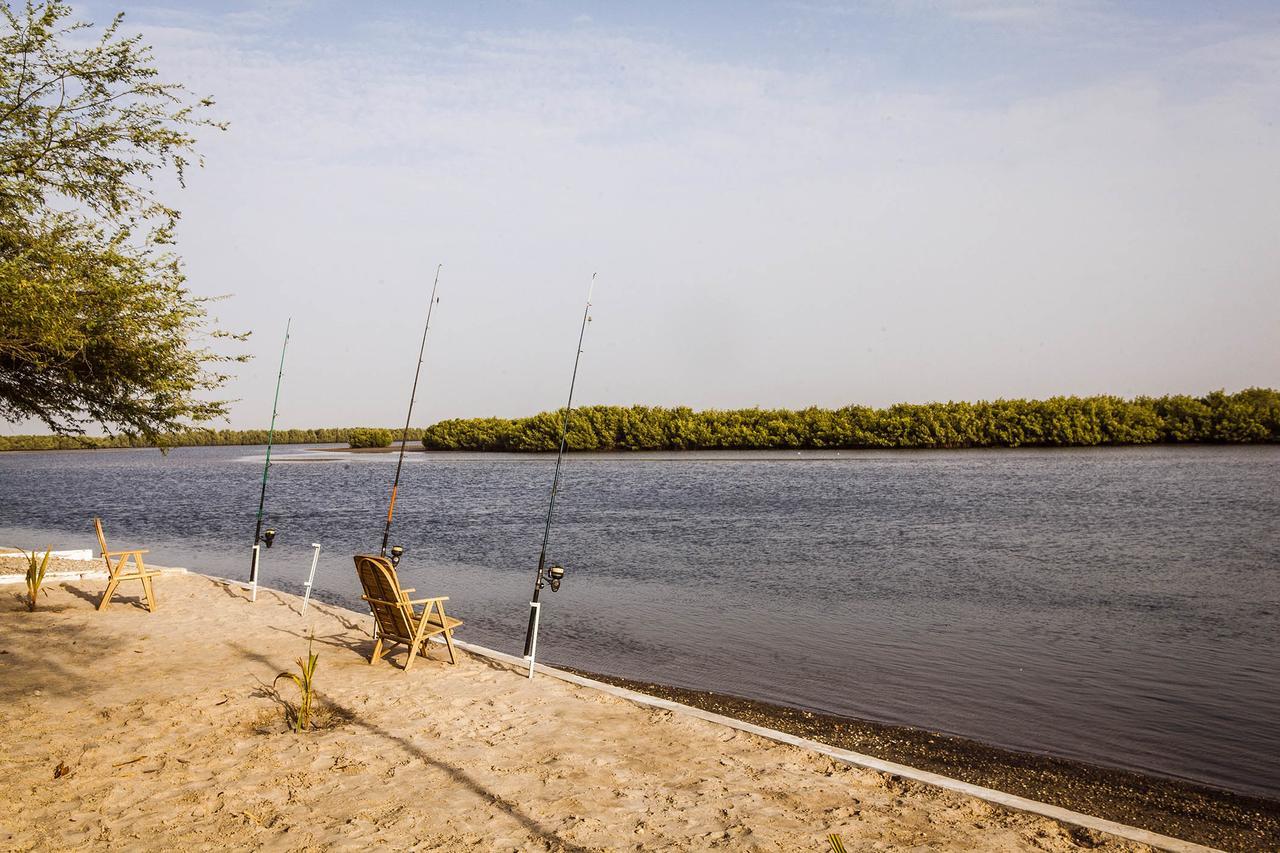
(1115, 605)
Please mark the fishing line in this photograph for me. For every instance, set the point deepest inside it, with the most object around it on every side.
(404, 436)
(555, 573)
(270, 535)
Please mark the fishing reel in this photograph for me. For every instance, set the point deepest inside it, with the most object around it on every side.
(555, 574)
(268, 536)
(396, 553)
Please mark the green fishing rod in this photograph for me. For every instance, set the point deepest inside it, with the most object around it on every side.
(555, 573)
(269, 536)
(397, 551)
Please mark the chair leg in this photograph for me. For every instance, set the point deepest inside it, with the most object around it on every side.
(146, 586)
(413, 653)
(150, 593)
(419, 639)
(448, 641)
(377, 651)
(448, 634)
(111, 588)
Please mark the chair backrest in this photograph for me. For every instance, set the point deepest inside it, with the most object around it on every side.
(102, 537)
(378, 577)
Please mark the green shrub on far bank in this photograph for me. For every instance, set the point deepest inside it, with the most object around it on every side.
(364, 437)
(1250, 416)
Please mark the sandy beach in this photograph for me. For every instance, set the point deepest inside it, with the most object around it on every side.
(135, 730)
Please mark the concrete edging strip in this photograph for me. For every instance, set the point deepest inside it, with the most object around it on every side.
(82, 554)
(857, 759)
(89, 575)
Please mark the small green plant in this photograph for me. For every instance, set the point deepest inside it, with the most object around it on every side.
(369, 438)
(836, 842)
(305, 680)
(35, 576)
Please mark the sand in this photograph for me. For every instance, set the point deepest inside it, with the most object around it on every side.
(164, 731)
(1170, 807)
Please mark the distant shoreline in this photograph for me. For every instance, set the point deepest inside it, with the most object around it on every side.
(1251, 416)
(799, 454)
(782, 453)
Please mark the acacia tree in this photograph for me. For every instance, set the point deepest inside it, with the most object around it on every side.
(95, 322)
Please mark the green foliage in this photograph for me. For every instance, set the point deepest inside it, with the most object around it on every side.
(96, 324)
(187, 438)
(35, 576)
(366, 437)
(1252, 415)
(304, 679)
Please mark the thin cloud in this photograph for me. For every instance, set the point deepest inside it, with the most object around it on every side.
(767, 235)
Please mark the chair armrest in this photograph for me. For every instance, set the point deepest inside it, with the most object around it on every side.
(122, 553)
(407, 589)
(425, 600)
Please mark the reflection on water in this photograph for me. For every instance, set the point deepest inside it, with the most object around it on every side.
(1114, 605)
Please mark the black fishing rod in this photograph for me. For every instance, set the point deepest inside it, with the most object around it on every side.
(270, 535)
(397, 551)
(555, 574)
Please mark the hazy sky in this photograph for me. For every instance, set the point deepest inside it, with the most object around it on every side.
(787, 204)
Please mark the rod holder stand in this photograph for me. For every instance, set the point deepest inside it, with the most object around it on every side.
(253, 580)
(536, 607)
(315, 558)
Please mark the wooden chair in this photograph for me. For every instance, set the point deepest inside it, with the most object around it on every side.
(117, 573)
(395, 619)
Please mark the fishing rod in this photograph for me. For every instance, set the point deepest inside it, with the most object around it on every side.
(397, 551)
(269, 536)
(555, 573)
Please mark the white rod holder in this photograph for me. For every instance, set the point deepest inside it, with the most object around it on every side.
(315, 558)
(533, 647)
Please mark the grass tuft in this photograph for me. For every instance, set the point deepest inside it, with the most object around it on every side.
(35, 576)
(305, 681)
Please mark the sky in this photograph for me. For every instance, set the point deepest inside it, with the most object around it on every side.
(786, 204)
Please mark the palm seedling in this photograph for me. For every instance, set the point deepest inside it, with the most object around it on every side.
(35, 576)
(305, 680)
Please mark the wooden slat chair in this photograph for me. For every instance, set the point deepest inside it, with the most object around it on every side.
(117, 570)
(394, 615)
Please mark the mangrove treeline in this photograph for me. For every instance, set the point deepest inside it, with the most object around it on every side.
(195, 438)
(1249, 416)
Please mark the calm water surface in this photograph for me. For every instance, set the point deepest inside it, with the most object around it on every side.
(1114, 605)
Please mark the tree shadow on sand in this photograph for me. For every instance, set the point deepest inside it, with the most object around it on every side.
(95, 598)
(465, 779)
(49, 654)
(362, 646)
(458, 775)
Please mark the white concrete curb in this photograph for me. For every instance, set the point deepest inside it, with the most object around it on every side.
(78, 554)
(90, 575)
